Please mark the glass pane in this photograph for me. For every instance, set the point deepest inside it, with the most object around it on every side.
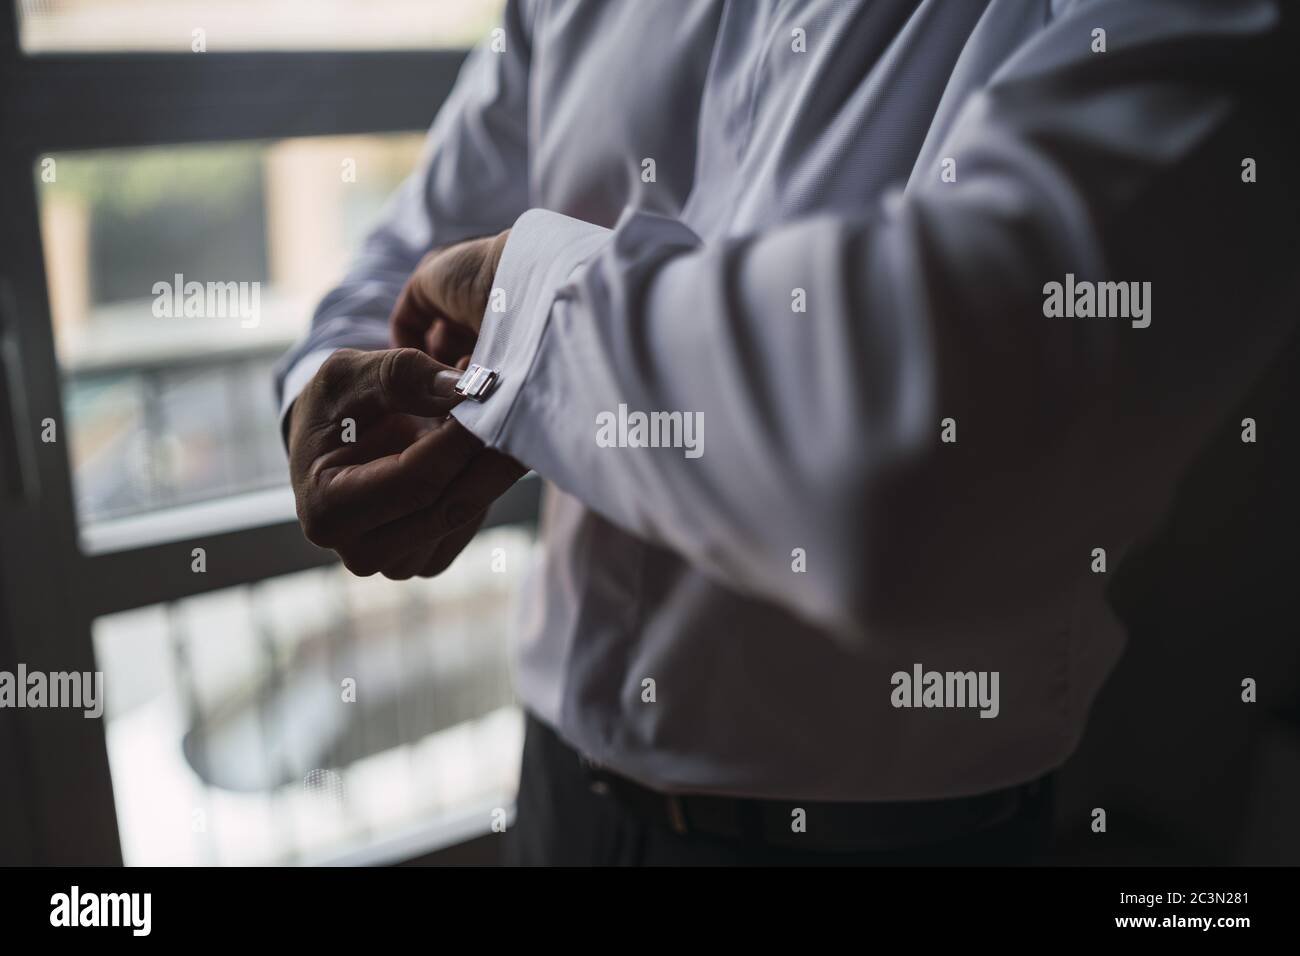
(168, 392)
(314, 714)
(228, 25)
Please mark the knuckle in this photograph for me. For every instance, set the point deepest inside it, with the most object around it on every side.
(338, 364)
(334, 378)
(361, 565)
(315, 521)
(398, 368)
(440, 562)
(314, 529)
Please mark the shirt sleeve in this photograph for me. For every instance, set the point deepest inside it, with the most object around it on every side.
(884, 396)
(472, 181)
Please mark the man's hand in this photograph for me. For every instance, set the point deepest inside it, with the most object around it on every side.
(441, 307)
(408, 493)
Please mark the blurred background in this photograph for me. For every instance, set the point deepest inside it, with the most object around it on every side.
(224, 742)
(168, 411)
(116, 25)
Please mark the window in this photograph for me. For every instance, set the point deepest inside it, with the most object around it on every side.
(113, 25)
(171, 409)
(131, 436)
(291, 719)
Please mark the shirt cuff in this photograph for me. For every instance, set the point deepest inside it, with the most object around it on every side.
(544, 250)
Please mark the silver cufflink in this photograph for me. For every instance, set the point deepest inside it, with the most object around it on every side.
(476, 382)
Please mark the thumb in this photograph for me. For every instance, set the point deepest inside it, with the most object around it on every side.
(406, 381)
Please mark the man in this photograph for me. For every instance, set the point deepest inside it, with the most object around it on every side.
(958, 289)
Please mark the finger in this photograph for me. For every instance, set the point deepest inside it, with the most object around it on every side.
(394, 567)
(410, 548)
(450, 547)
(387, 436)
(453, 283)
(368, 385)
(485, 479)
(435, 290)
(409, 381)
(409, 323)
(340, 504)
(466, 498)
(430, 559)
(405, 569)
(450, 343)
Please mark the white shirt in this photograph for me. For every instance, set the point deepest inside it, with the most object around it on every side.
(841, 259)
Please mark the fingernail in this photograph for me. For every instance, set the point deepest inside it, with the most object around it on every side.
(444, 384)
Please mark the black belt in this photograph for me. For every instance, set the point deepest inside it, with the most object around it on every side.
(824, 826)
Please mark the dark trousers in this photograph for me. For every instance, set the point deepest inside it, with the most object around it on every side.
(562, 820)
